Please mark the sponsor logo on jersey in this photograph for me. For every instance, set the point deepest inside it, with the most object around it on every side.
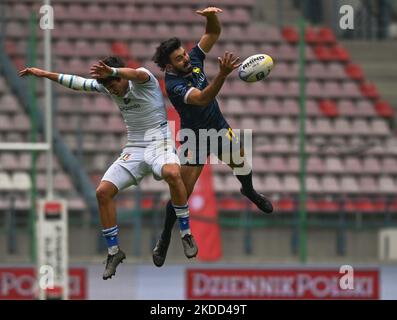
(133, 106)
(125, 156)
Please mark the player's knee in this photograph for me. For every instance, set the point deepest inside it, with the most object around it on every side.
(102, 194)
(172, 174)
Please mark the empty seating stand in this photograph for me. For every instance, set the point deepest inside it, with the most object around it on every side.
(351, 150)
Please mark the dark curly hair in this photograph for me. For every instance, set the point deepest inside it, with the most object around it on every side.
(163, 51)
(114, 62)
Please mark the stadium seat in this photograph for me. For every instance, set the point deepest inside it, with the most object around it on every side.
(353, 165)
(315, 165)
(387, 185)
(384, 109)
(368, 185)
(369, 90)
(293, 164)
(291, 184)
(349, 185)
(365, 108)
(339, 53)
(313, 185)
(334, 165)
(371, 165)
(361, 127)
(389, 165)
(326, 35)
(379, 127)
(272, 184)
(328, 108)
(21, 181)
(290, 34)
(330, 185)
(5, 181)
(311, 36)
(276, 164)
(323, 54)
(354, 71)
(9, 103)
(8, 161)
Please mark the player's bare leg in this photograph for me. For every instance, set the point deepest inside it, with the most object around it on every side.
(105, 194)
(189, 175)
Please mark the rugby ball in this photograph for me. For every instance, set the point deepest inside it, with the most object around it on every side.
(255, 68)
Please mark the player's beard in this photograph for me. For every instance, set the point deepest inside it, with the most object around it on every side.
(188, 68)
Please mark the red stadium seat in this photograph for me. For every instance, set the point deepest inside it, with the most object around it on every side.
(339, 53)
(364, 205)
(328, 205)
(311, 36)
(369, 90)
(311, 205)
(329, 108)
(326, 35)
(230, 203)
(284, 205)
(354, 71)
(384, 109)
(290, 34)
(323, 53)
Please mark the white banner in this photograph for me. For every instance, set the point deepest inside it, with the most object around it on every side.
(52, 253)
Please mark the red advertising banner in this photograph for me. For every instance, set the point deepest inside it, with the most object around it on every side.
(21, 283)
(280, 284)
(204, 214)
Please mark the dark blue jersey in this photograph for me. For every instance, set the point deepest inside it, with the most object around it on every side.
(192, 116)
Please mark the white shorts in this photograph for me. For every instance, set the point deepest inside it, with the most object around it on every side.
(136, 162)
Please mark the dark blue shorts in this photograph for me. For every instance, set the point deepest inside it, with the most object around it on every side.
(221, 142)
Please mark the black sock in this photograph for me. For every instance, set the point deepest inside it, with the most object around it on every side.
(246, 181)
(170, 218)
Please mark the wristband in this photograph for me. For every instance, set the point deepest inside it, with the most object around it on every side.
(114, 72)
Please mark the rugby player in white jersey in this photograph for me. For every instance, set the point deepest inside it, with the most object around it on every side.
(149, 149)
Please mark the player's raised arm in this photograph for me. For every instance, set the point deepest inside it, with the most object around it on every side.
(203, 97)
(212, 28)
(101, 70)
(67, 80)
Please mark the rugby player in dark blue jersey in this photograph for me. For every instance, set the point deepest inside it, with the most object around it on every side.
(195, 100)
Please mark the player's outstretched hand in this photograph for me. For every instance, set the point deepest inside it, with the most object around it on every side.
(100, 70)
(209, 11)
(228, 63)
(32, 71)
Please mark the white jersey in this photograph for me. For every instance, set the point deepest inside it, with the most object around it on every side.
(143, 111)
